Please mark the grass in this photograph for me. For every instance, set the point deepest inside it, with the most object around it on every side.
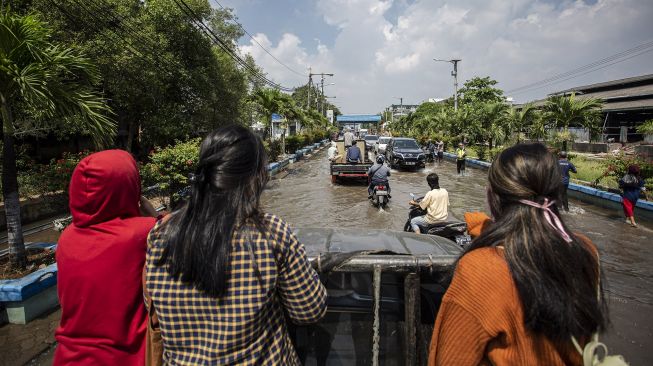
(589, 170)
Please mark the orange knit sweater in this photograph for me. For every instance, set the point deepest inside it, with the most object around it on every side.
(480, 321)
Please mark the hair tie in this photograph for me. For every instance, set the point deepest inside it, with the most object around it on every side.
(550, 217)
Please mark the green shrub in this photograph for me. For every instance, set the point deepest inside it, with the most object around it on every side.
(481, 151)
(170, 166)
(493, 152)
(646, 128)
(617, 166)
(293, 143)
(56, 175)
(273, 150)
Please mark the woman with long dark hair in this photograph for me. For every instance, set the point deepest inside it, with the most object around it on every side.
(526, 285)
(221, 274)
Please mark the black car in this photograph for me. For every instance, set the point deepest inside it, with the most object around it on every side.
(404, 152)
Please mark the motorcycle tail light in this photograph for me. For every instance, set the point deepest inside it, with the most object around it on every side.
(380, 188)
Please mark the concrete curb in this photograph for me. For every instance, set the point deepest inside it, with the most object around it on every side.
(278, 166)
(28, 297)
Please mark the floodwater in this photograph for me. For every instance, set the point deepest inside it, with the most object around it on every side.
(307, 198)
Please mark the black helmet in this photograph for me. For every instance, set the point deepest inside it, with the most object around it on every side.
(380, 159)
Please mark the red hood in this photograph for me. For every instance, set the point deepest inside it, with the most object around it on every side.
(104, 186)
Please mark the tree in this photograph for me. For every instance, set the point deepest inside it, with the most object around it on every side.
(480, 90)
(47, 83)
(300, 95)
(520, 119)
(565, 111)
(163, 75)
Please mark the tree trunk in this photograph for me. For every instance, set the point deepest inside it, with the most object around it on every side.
(17, 253)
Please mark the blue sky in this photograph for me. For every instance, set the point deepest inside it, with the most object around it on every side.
(381, 49)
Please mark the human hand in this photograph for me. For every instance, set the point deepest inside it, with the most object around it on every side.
(146, 208)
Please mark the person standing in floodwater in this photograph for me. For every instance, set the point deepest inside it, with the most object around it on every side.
(461, 156)
(565, 166)
(632, 185)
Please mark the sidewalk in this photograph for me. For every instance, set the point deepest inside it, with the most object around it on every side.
(21, 343)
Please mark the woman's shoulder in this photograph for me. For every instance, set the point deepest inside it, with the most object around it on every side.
(482, 261)
(482, 279)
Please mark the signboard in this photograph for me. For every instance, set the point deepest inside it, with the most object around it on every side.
(329, 115)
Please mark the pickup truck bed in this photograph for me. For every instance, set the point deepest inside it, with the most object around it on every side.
(342, 169)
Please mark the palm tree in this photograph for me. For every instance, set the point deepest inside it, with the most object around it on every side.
(49, 83)
(522, 118)
(563, 112)
(493, 122)
(269, 101)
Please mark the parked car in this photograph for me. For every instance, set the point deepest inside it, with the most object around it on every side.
(380, 145)
(370, 141)
(405, 152)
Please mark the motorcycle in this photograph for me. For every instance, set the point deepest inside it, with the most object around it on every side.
(380, 195)
(453, 230)
(430, 155)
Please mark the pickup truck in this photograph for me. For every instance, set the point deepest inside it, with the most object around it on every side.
(342, 169)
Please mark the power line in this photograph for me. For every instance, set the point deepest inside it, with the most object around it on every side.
(134, 31)
(129, 45)
(222, 44)
(584, 73)
(260, 45)
(593, 66)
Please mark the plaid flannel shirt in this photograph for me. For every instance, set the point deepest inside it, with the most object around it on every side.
(246, 326)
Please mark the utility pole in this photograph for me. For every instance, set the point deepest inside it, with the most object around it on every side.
(322, 82)
(454, 73)
(310, 81)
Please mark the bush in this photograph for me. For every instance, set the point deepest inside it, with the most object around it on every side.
(617, 166)
(493, 152)
(169, 167)
(646, 128)
(56, 175)
(293, 143)
(481, 151)
(273, 149)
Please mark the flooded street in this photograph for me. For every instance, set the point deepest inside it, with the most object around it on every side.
(307, 198)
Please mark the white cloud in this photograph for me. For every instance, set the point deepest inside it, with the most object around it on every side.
(514, 41)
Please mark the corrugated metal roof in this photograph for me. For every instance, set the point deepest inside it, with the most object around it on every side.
(612, 83)
(359, 118)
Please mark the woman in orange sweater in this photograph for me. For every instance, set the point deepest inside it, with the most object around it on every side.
(525, 286)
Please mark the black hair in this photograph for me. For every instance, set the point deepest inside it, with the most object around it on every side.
(556, 281)
(227, 185)
(433, 180)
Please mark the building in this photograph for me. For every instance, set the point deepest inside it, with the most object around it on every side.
(356, 121)
(627, 104)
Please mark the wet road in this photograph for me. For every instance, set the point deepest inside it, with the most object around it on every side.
(306, 198)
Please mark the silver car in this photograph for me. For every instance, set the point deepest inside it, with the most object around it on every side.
(380, 145)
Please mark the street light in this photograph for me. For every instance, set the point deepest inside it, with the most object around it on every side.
(454, 73)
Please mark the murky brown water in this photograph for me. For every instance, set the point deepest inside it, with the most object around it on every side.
(306, 198)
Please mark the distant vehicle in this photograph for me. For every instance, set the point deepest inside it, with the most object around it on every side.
(343, 169)
(370, 140)
(404, 152)
(379, 147)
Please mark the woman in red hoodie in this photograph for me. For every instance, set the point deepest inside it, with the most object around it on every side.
(100, 258)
